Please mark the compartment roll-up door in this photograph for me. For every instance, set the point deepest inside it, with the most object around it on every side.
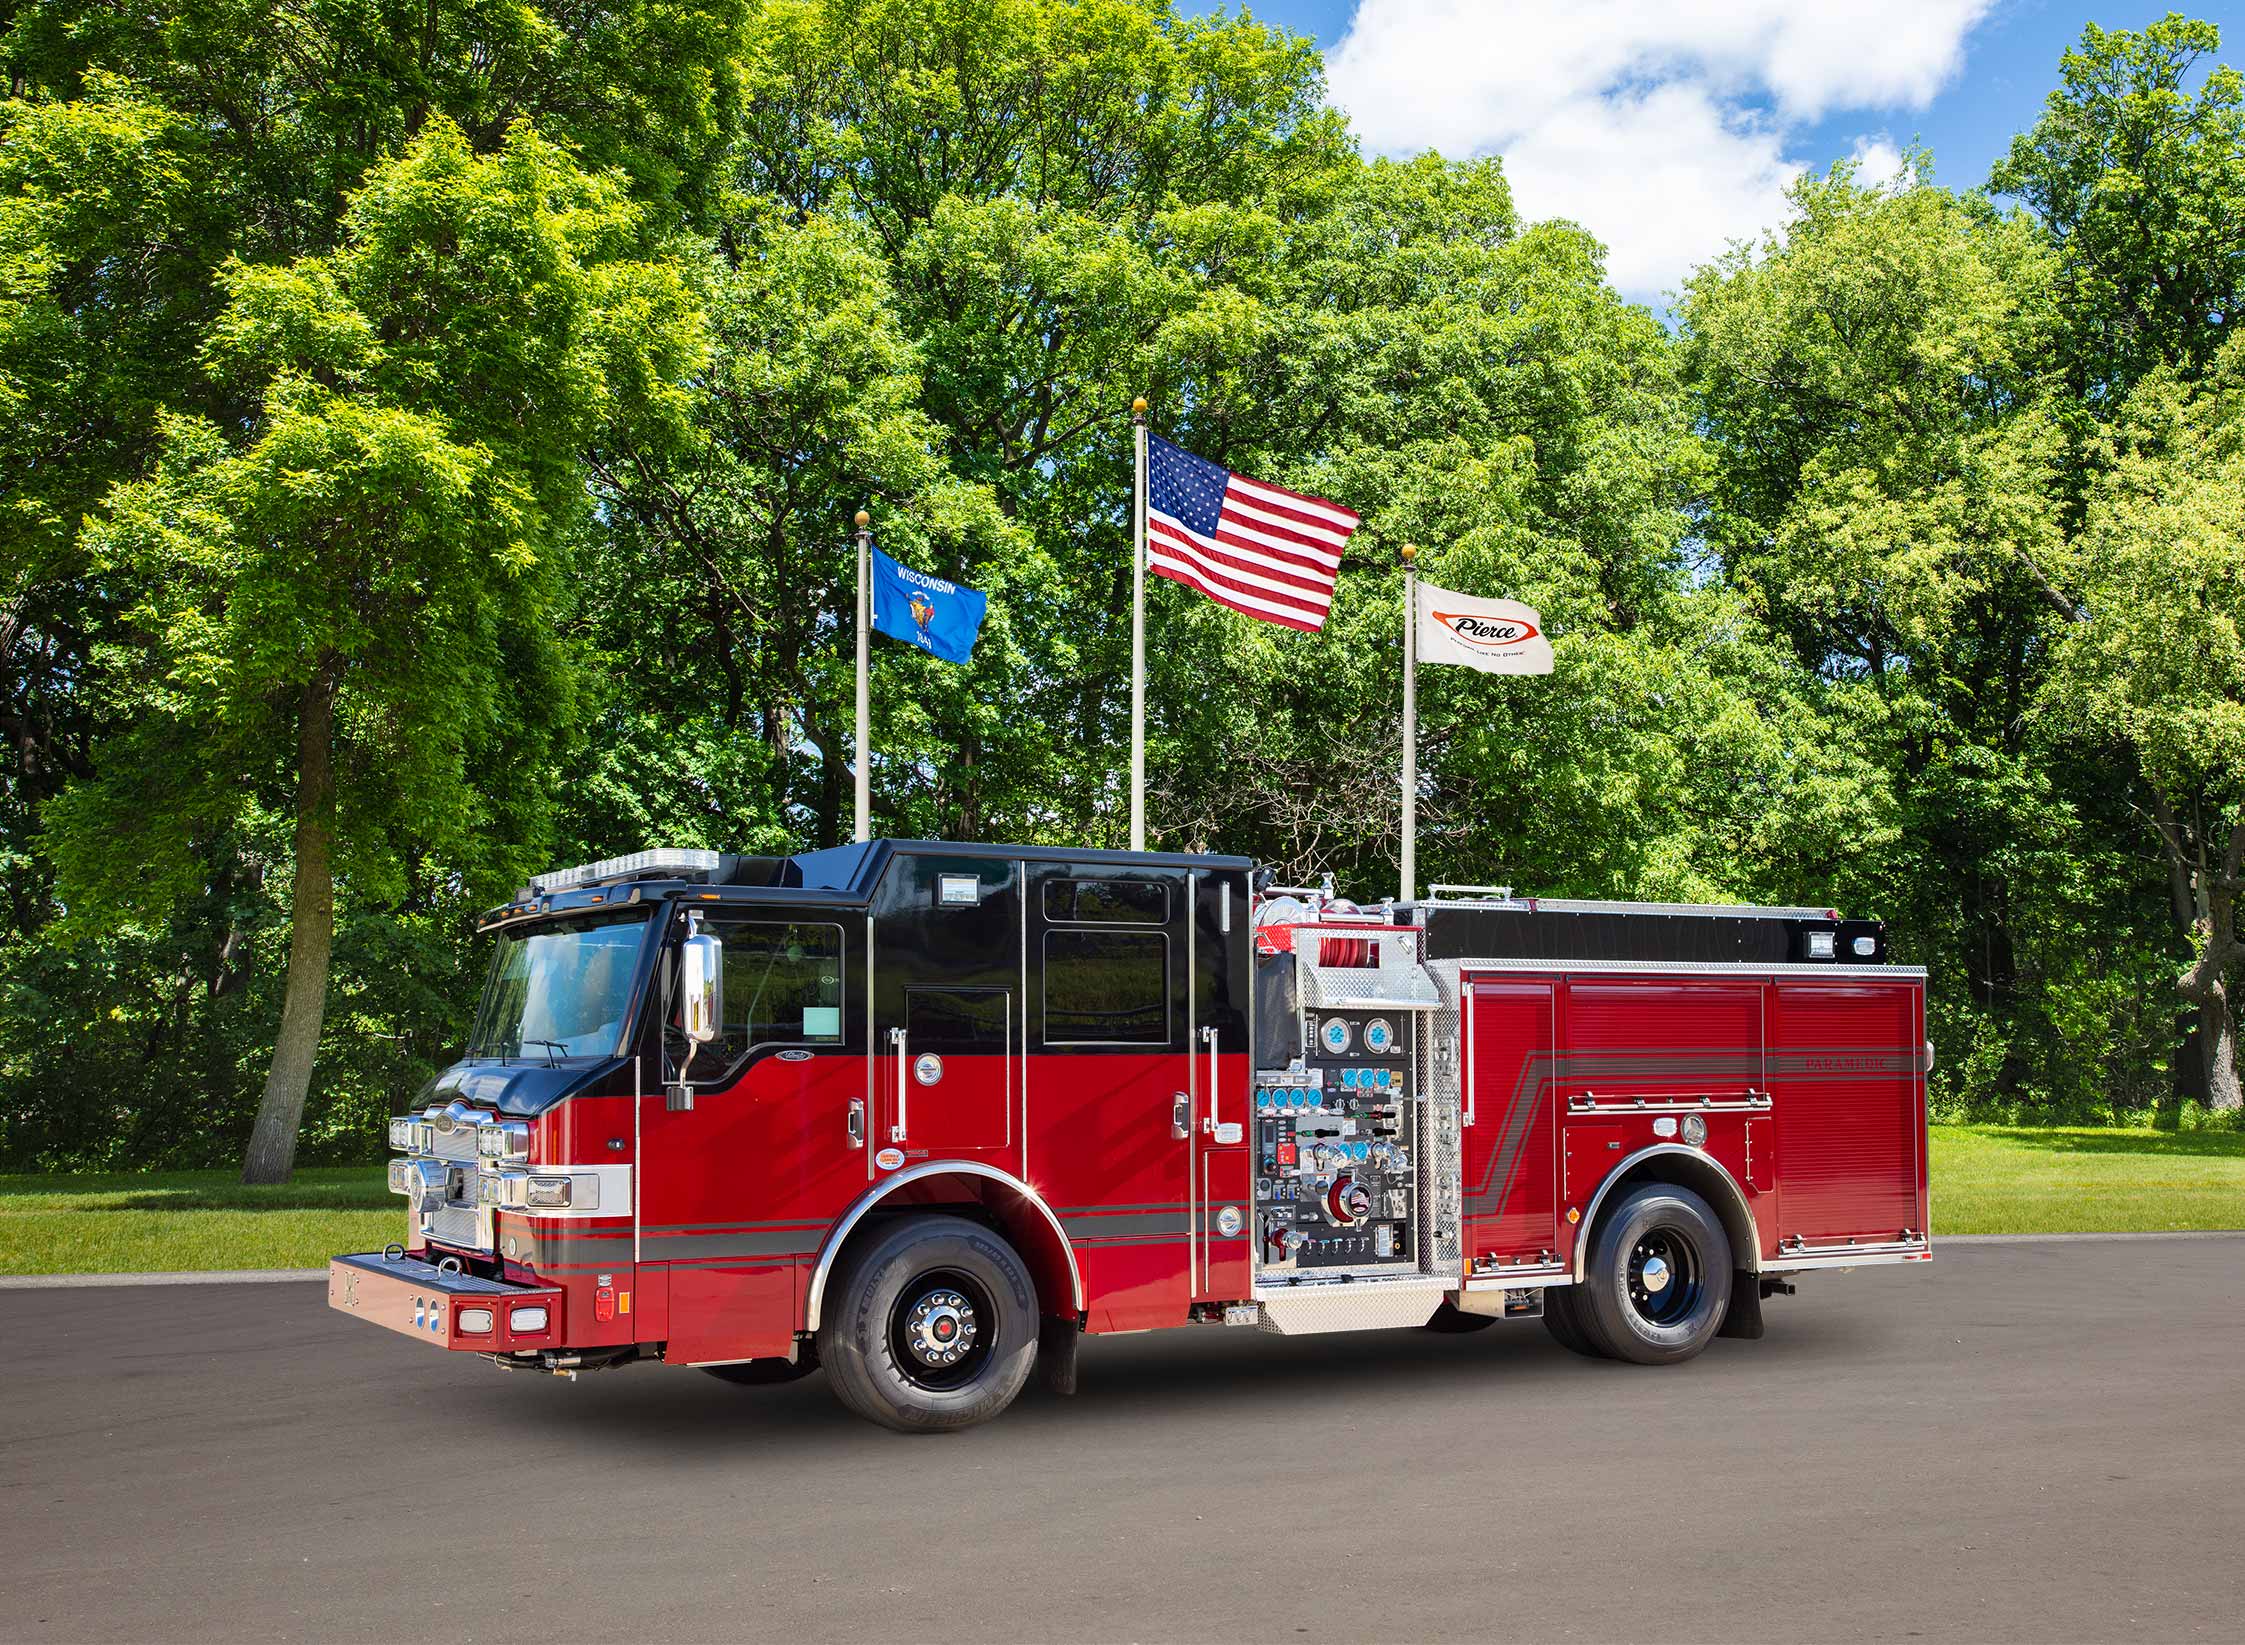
(1845, 1073)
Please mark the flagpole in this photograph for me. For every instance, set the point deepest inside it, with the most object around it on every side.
(864, 706)
(1410, 721)
(1138, 632)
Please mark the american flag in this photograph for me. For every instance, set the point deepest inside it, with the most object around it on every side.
(1260, 549)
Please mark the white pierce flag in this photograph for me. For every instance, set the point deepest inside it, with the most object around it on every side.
(1495, 636)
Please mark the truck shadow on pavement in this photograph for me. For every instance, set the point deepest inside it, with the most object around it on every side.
(1165, 1376)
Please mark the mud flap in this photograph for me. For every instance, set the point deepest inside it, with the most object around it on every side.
(1056, 1355)
(1744, 1316)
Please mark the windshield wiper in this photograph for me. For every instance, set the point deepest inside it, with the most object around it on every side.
(556, 1044)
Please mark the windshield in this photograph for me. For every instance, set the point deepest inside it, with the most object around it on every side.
(559, 990)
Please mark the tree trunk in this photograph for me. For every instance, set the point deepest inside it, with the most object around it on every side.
(2214, 887)
(2192, 1024)
(311, 937)
(2217, 1040)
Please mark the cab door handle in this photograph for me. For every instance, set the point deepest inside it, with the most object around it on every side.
(1179, 1127)
(896, 1039)
(1208, 1038)
(857, 1122)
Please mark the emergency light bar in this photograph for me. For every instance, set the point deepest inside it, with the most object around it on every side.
(681, 862)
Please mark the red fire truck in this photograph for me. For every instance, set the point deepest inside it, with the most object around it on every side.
(921, 1114)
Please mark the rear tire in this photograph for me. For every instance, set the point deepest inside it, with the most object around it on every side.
(934, 1326)
(1450, 1320)
(1659, 1277)
(1565, 1324)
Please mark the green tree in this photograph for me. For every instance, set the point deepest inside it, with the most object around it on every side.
(2158, 662)
(1881, 387)
(354, 600)
(2140, 186)
(729, 559)
(1474, 384)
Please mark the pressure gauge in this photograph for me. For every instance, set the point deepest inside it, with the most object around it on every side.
(1333, 1034)
(1379, 1038)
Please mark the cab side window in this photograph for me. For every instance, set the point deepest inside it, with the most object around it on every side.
(1106, 963)
(783, 983)
(783, 986)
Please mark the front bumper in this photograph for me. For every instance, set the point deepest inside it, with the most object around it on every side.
(446, 1310)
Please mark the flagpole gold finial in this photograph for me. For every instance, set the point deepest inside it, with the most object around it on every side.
(863, 519)
(1409, 551)
(1138, 406)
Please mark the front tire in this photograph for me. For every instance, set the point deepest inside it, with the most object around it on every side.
(1659, 1277)
(934, 1327)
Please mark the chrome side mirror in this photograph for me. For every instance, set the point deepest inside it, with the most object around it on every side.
(701, 1007)
(701, 987)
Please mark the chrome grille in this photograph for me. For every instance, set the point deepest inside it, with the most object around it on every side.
(452, 1145)
(459, 1225)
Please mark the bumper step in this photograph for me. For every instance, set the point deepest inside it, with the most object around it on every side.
(443, 1308)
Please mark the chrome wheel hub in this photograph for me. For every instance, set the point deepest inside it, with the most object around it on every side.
(939, 1328)
(1664, 1276)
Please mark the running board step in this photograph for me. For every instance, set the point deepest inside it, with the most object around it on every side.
(1356, 1305)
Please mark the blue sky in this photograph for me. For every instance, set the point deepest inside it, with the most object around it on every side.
(1670, 127)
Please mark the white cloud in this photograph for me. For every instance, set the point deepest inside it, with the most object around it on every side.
(1660, 125)
(1877, 161)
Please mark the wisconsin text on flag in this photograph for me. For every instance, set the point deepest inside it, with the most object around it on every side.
(1260, 549)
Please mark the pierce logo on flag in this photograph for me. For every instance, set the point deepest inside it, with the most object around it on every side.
(1262, 550)
(1484, 633)
(1495, 636)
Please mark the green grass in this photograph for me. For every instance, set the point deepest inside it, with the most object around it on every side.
(2001, 1179)
(147, 1222)
(1987, 1179)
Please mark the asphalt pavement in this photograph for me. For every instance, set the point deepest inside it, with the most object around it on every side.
(2029, 1442)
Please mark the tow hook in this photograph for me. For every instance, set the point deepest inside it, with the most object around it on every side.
(1777, 1288)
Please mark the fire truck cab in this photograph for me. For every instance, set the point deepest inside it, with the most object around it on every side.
(922, 1113)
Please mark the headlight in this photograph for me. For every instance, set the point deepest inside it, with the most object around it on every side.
(401, 1176)
(401, 1134)
(522, 1191)
(507, 1141)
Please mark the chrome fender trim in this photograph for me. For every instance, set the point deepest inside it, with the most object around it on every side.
(932, 1168)
(1753, 1262)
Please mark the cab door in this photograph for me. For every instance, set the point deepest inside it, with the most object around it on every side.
(1115, 1081)
(1511, 1126)
(738, 1182)
(947, 957)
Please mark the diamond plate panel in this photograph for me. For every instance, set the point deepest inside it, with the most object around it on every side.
(1441, 1139)
(1364, 1305)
